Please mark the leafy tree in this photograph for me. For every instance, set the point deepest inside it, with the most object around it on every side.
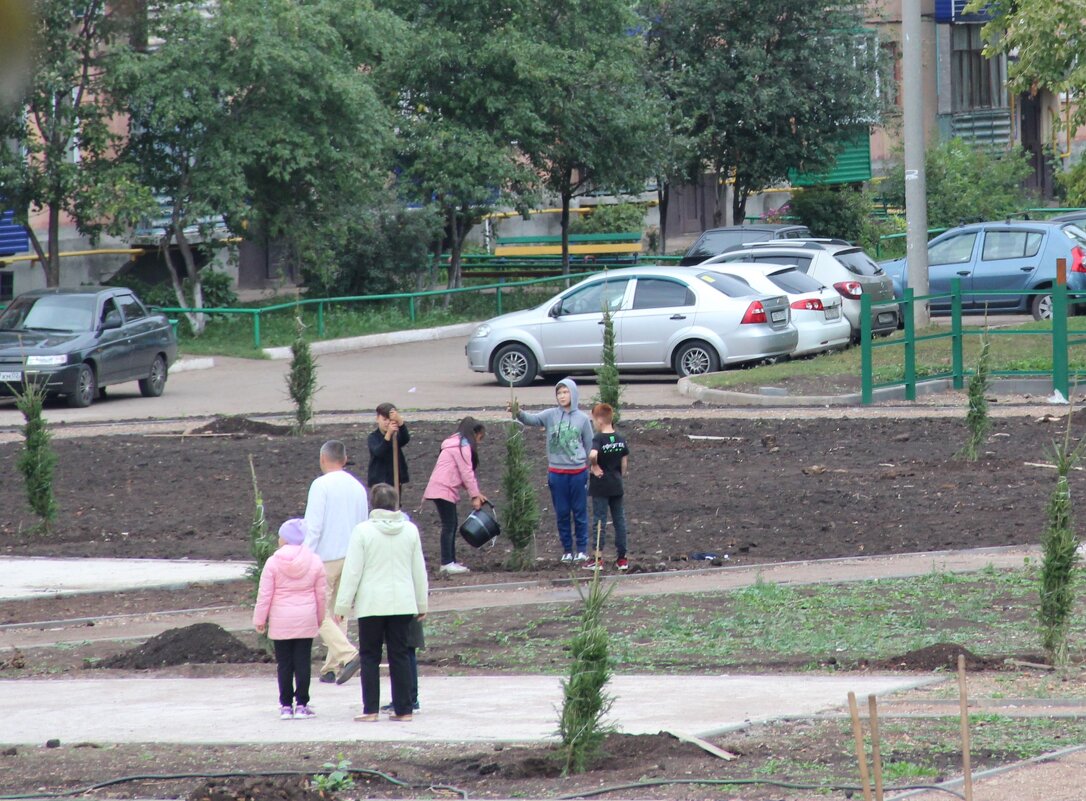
(833, 211)
(595, 124)
(966, 184)
(459, 82)
(239, 113)
(55, 139)
(767, 85)
(1047, 38)
(610, 218)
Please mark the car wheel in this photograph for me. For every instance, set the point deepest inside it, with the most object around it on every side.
(515, 366)
(86, 388)
(155, 383)
(696, 358)
(1041, 307)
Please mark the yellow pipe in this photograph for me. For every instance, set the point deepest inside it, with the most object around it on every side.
(505, 215)
(103, 252)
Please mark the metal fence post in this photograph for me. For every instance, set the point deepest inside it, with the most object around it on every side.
(867, 388)
(498, 292)
(1060, 376)
(411, 308)
(957, 360)
(256, 329)
(910, 349)
(320, 320)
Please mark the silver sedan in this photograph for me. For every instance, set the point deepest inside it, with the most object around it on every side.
(685, 320)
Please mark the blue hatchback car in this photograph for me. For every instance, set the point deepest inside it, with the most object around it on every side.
(1000, 256)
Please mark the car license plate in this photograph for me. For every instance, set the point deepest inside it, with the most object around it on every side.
(887, 318)
(833, 312)
(777, 316)
(10, 375)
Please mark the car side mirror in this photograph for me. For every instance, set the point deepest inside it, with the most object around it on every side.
(555, 310)
(112, 320)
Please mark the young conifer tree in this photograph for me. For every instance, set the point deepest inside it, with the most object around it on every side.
(1060, 560)
(520, 514)
(609, 387)
(302, 379)
(977, 418)
(37, 458)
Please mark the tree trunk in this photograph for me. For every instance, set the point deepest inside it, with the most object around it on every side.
(719, 196)
(452, 219)
(663, 195)
(197, 319)
(567, 196)
(52, 257)
(739, 203)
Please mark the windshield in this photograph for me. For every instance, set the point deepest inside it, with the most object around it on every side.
(65, 313)
(730, 285)
(858, 262)
(714, 242)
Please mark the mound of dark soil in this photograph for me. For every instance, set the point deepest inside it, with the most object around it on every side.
(262, 788)
(202, 643)
(241, 426)
(941, 656)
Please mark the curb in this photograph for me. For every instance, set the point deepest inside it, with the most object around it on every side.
(184, 365)
(777, 397)
(379, 340)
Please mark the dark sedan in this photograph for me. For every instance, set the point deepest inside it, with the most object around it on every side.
(74, 342)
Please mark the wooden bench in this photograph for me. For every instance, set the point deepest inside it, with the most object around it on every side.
(580, 246)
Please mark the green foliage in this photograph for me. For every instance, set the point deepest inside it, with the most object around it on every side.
(301, 379)
(1059, 564)
(831, 211)
(609, 387)
(765, 86)
(218, 290)
(520, 514)
(1046, 38)
(966, 184)
(384, 247)
(610, 218)
(977, 418)
(36, 460)
(336, 779)
(585, 703)
(65, 107)
(1073, 183)
(262, 544)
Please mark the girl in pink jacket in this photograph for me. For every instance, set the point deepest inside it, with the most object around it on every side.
(455, 469)
(290, 607)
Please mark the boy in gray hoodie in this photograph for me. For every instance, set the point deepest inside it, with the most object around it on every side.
(569, 441)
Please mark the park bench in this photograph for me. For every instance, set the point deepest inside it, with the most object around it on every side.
(583, 247)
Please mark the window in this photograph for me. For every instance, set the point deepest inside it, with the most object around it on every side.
(976, 81)
(7, 286)
(794, 281)
(591, 299)
(857, 262)
(132, 308)
(1010, 244)
(660, 293)
(731, 285)
(955, 250)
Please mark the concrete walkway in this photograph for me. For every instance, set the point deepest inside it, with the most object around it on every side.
(507, 708)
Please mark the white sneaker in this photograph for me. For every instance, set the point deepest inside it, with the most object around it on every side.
(454, 568)
(566, 558)
(581, 557)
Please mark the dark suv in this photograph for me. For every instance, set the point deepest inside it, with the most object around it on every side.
(717, 240)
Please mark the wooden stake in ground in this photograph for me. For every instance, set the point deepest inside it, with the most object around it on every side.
(967, 770)
(858, 735)
(876, 754)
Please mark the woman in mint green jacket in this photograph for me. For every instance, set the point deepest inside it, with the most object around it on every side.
(384, 585)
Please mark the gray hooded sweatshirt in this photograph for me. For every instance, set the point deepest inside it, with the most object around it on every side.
(569, 434)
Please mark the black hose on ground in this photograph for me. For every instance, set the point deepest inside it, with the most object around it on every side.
(239, 774)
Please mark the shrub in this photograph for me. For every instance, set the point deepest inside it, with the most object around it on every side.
(610, 218)
(832, 211)
(301, 379)
(217, 288)
(1073, 183)
(967, 184)
(607, 378)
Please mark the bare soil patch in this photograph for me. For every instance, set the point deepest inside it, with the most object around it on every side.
(201, 643)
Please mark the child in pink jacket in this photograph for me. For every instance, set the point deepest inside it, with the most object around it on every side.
(455, 468)
(290, 606)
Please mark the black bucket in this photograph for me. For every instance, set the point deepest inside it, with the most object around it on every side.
(480, 527)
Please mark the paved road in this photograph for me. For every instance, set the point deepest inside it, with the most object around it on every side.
(424, 375)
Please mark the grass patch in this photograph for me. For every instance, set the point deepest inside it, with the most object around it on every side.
(990, 612)
(1009, 352)
(232, 335)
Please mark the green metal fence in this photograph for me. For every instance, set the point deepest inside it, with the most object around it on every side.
(256, 314)
(1060, 372)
